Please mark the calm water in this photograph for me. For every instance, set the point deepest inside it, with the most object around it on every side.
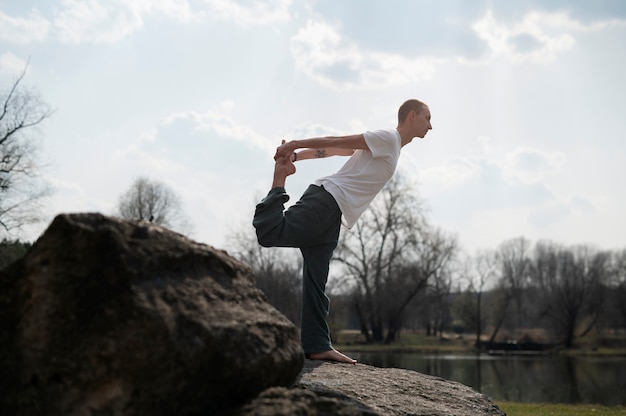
(540, 379)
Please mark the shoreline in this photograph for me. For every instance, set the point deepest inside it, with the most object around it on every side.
(596, 346)
(381, 348)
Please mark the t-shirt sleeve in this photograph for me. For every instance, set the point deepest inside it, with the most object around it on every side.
(380, 142)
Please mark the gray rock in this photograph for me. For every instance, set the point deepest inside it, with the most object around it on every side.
(105, 316)
(362, 390)
(280, 401)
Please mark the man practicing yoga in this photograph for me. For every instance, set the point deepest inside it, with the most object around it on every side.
(313, 223)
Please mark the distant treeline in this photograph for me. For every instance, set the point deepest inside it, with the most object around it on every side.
(396, 270)
(541, 293)
(12, 250)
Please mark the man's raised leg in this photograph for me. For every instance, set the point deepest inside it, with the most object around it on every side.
(268, 216)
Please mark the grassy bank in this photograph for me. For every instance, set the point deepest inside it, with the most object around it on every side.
(407, 342)
(544, 409)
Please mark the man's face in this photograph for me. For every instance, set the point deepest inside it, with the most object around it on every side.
(421, 122)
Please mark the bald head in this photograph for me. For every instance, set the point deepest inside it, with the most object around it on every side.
(407, 107)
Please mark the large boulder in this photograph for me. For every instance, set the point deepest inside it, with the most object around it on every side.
(362, 390)
(394, 391)
(105, 316)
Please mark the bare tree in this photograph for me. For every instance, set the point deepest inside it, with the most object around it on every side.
(440, 287)
(277, 271)
(572, 284)
(513, 262)
(480, 272)
(426, 272)
(21, 187)
(153, 201)
(390, 256)
(373, 252)
(618, 285)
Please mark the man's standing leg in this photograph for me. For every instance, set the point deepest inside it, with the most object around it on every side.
(315, 333)
(314, 330)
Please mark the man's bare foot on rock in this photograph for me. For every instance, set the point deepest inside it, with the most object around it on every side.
(331, 355)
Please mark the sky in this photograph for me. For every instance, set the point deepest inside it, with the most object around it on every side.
(527, 104)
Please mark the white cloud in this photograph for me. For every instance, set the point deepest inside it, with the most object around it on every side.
(103, 21)
(530, 164)
(505, 40)
(322, 53)
(192, 143)
(145, 159)
(179, 10)
(582, 204)
(537, 38)
(222, 126)
(548, 214)
(95, 21)
(481, 184)
(509, 193)
(11, 64)
(310, 129)
(23, 30)
(108, 21)
(451, 174)
(250, 12)
(65, 187)
(519, 177)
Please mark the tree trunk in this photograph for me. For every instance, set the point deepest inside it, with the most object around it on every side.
(478, 318)
(391, 336)
(377, 333)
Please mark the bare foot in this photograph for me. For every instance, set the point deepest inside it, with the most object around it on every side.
(283, 168)
(331, 355)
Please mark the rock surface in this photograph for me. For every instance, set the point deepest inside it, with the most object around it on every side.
(362, 390)
(105, 316)
(393, 391)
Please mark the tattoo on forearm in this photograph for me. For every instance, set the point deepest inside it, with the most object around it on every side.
(320, 153)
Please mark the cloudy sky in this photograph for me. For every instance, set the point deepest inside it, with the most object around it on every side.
(527, 100)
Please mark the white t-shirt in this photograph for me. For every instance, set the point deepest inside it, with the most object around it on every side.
(358, 182)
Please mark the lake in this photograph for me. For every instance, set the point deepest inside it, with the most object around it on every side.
(537, 379)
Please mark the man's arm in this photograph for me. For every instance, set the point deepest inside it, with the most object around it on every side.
(319, 153)
(333, 145)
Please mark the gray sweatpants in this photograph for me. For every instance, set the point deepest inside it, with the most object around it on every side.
(312, 225)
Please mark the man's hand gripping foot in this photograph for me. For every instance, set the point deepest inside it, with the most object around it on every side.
(283, 168)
